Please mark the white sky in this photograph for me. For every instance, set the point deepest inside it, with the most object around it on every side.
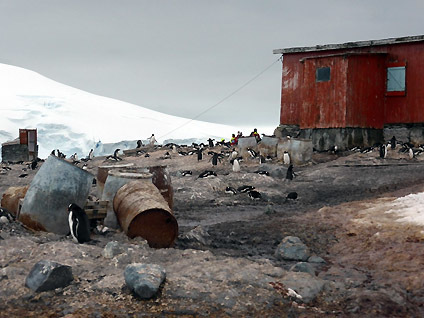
(182, 57)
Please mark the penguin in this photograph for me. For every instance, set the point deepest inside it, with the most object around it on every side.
(53, 153)
(78, 224)
(210, 141)
(34, 164)
(174, 149)
(262, 173)
(261, 159)
(5, 213)
(215, 158)
(252, 152)
(233, 154)
(383, 151)
(290, 174)
(186, 173)
(286, 158)
(334, 149)
(411, 153)
(207, 174)
(245, 188)
(393, 142)
(236, 165)
(167, 155)
(199, 154)
(146, 155)
(254, 195)
(90, 154)
(367, 150)
(115, 155)
(230, 190)
(23, 175)
(291, 196)
(139, 144)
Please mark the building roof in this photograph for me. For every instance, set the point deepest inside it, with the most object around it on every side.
(350, 45)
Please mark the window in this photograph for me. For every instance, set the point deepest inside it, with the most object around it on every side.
(322, 74)
(396, 84)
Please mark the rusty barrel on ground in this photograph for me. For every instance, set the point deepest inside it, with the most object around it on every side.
(142, 211)
(102, 173)
(115, 180)
(160, 178)
(11, 197)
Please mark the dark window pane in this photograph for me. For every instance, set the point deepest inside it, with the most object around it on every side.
(323, 74)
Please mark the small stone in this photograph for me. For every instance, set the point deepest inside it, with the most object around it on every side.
(48, 275)
(198, 234)
(144, 279)
(4, 220)
(304, 284)
(112, 249)
(292, 248)
(303, 267)
(316, 259)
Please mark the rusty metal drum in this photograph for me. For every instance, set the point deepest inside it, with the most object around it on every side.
(115, 180)
(11, 197)
(142, 211)
(102, 173)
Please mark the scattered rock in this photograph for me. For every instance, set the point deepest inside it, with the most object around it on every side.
(304, 284)
(316, 259)
(48, 275)
(303, 267)
(112, 249)
(144, 279)
(198, 234)
(4, 220)
(292, 248)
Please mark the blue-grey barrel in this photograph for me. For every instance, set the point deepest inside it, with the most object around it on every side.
(57, 184)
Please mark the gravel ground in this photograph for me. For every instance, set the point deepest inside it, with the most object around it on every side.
(233, 270)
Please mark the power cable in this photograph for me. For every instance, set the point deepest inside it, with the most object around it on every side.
(225, 98)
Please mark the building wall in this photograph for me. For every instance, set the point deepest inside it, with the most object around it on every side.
(323, 103)
(367, 104)
(14, 153)
(366, 78)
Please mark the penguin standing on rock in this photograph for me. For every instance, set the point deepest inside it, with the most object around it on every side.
(236, 165)
(78, 224)
(199, 154)
(286, 158)
(383, 151)
(393, 142)
(290, 173)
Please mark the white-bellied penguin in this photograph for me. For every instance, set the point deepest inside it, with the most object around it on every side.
(78, 224)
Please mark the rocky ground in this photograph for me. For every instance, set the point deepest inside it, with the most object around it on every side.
(225, 261)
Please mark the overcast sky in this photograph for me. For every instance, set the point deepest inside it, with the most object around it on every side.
(182, 57)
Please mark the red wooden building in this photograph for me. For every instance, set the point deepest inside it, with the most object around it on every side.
(354, 94)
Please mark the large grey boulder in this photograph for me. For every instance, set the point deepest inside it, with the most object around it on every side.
(48, 275)
(144, 279)
(292, 248)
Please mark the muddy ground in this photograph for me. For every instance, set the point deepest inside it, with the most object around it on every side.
(373, 264)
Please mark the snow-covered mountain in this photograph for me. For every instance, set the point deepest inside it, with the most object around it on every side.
(76, 121)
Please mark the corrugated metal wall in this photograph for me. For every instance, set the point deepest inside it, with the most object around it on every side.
(356, 94)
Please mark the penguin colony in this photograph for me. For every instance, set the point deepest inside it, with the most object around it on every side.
(78, 221)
